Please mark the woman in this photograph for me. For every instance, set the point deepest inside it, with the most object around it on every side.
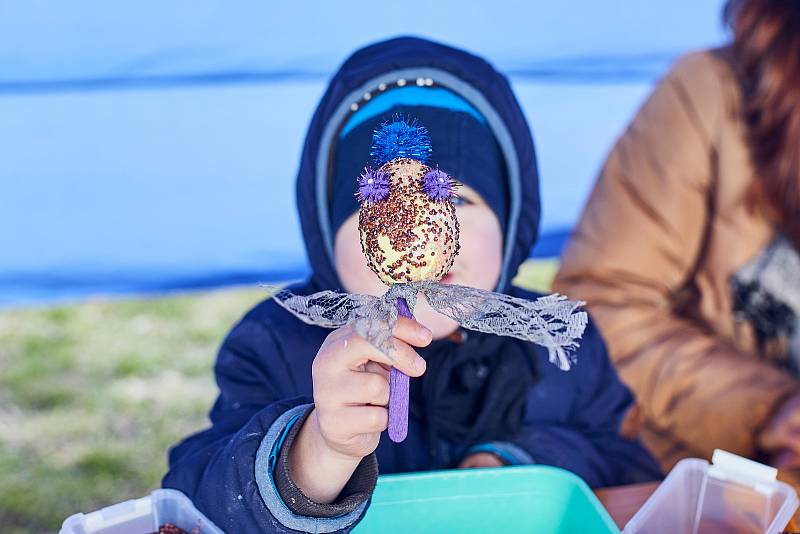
(687, 249)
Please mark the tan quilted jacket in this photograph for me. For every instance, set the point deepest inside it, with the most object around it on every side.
(664, 229)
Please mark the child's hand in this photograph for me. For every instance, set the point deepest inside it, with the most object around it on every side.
(782, 433)
(351, 384)
(351, 392)
(480, 459)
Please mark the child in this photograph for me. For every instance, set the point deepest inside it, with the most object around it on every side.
(274, 461)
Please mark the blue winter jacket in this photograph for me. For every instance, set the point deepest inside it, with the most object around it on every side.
(571, 420)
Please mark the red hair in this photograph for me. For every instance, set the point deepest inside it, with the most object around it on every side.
(767, 54)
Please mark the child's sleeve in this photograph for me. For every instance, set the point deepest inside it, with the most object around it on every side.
(589, 442)
(235, 472)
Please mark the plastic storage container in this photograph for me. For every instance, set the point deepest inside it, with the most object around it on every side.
(142, 516)
(537, 499)
(733, 495)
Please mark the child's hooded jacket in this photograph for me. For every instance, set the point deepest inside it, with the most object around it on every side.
(525, 410)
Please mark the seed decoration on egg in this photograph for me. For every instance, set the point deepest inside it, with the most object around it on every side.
(410, 235)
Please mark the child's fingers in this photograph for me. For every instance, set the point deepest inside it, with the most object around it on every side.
(480, 459)
(366, 419)
(355, 387)
(367, 388)
(349, 422)
(403, 357)
(377, 368)
(412, 332)
(353, 351)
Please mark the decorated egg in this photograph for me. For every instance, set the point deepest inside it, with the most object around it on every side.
(407, 221)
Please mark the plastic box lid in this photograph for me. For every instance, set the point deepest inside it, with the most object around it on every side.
(733, 495)
(540, 499)
(142, 516)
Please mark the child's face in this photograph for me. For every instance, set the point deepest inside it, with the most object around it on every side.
(477, 264)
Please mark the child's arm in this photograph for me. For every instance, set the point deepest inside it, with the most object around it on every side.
(224, 469)
(231, 470)
(602, 410)
(589, 442)
(351, 391)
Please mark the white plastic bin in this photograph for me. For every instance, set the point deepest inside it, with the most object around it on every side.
(142, 516)
(733, 495)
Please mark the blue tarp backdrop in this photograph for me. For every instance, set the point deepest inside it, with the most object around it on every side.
(150, 145)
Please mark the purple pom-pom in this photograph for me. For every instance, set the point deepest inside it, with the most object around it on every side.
(437, 185)
(400, 138)
(373, 185)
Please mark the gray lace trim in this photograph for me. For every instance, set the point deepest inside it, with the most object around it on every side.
(553, 321)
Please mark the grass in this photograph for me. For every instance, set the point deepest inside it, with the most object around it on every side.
(93, 394)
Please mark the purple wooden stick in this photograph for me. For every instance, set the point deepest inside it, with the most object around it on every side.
(398, 390)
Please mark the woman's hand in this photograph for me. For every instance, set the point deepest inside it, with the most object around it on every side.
(781, 437)
(351, 392)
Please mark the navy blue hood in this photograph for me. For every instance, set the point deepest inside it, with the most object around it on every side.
(471, 77)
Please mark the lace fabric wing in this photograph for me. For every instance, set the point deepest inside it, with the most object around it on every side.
(551, 321)
(372, 317)
(328, 309)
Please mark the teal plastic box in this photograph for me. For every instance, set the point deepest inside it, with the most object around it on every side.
(536, 499)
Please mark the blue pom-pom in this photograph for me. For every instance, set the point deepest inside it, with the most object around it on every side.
(400, 138)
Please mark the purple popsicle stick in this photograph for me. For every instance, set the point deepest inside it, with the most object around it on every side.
(398, 390)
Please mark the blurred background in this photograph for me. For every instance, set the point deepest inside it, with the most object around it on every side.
(147, 160)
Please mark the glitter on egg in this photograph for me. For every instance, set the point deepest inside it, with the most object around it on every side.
(408, 237)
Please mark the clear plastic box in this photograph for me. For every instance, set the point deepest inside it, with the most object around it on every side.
(733, 495)
(142, 516)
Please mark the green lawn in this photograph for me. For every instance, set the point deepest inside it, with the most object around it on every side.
(93, 394)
